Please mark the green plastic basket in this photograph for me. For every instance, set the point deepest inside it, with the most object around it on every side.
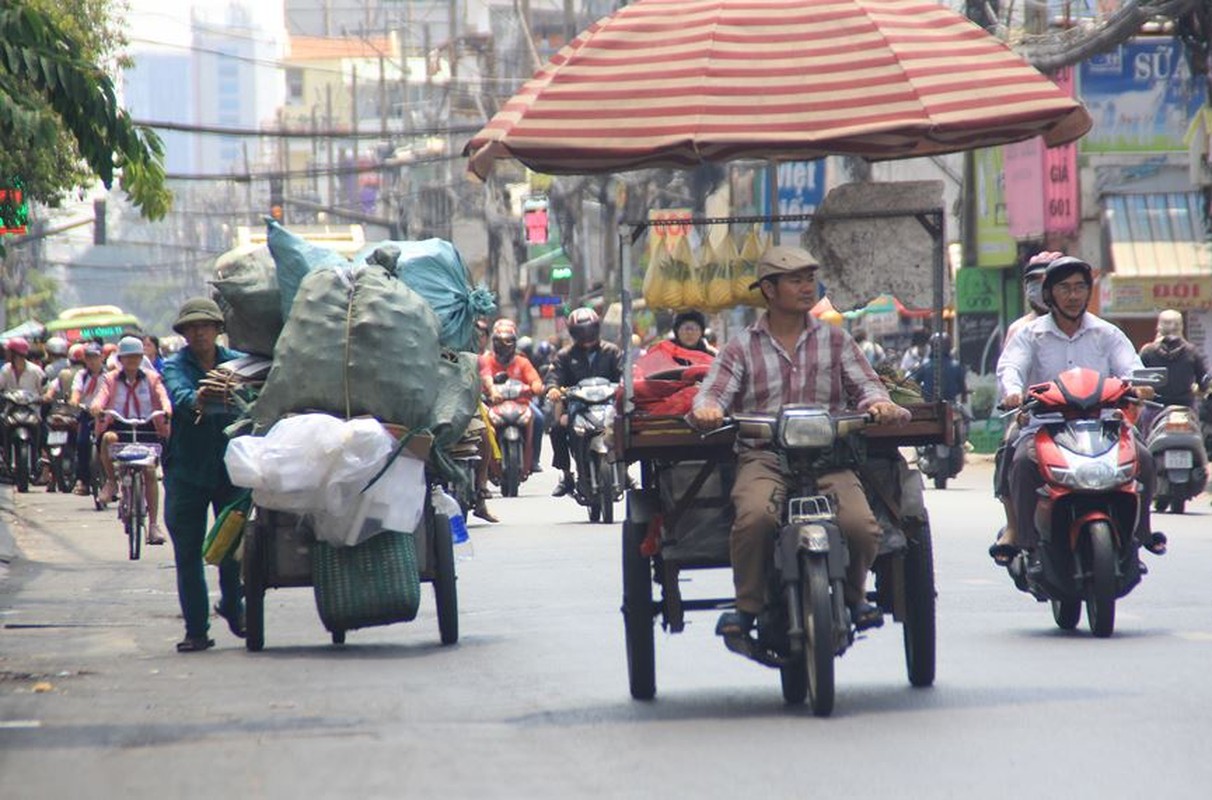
(374, 583)
(985, 435)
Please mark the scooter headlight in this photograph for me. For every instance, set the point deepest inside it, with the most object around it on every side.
(807, 428)
(1093, 476)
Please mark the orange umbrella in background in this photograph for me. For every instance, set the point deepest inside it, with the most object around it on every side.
(674, 83)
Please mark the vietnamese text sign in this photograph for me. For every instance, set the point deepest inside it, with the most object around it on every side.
(1130, 295)
(1061, 199)
(801, 189)
(1142, 97)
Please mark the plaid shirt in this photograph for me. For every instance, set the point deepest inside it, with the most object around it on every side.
(755, 374)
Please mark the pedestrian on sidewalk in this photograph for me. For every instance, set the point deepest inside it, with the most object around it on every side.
(195, 476)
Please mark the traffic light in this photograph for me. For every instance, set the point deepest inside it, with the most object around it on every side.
(534, 217)
(276, 202)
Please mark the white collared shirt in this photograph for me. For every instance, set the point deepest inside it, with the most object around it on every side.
(1040, 351)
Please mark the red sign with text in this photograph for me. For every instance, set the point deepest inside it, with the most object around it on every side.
(1061, 212)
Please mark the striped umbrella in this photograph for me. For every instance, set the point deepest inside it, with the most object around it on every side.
(673, 83)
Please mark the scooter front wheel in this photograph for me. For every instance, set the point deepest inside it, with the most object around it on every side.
(1100, 586)
(819, 640)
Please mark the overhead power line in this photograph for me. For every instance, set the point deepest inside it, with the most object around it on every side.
(327, 133)
(353, 169)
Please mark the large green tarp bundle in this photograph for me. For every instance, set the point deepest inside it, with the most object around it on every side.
(458, 397)
(357, 342)
(295, 258)
(434, 269)
(246, 288)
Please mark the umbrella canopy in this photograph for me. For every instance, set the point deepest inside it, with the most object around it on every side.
(673, 83)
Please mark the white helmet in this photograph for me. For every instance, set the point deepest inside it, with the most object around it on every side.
(56, 346)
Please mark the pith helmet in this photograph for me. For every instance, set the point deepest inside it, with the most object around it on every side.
(198, 309)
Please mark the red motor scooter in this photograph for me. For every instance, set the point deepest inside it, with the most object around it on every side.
(1089, 504)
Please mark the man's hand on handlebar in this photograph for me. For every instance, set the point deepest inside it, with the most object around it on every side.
(554, 394)
(1144, 392)
(885, 412)
(1011, 401)
(707, 417)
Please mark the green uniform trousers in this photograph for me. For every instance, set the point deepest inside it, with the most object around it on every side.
(185, 515)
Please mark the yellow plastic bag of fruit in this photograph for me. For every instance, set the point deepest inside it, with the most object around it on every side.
(719, 277)
(694, 292)
(744, 271)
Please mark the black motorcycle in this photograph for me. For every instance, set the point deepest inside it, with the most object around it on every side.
(62, 423)
(22, 422)
(941, 462)
(591, 413)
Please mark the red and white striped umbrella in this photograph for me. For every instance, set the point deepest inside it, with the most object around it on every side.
(673, 83)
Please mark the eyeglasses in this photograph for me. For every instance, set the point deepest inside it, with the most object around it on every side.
(1072, 289)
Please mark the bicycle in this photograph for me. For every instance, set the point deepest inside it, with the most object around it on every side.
(130, 459)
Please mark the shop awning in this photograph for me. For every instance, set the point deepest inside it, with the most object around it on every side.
(1158, 252)
(1157, 235)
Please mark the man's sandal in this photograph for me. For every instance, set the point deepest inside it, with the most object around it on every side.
(194, 644)
(1002, 553)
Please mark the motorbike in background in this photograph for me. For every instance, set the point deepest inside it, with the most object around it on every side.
(511, 416)
(22, 424)
(1177, 443)
(591, 411)
(941, 462)
(62, 423)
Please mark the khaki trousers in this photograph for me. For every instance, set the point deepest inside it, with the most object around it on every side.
(759, 495)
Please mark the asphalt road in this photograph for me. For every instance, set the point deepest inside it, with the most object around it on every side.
(533, 701)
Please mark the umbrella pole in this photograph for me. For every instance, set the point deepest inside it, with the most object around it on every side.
(626, 242)
(772, 195)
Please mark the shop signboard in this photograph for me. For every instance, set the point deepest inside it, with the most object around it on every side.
(995, 245)
(1041, 183)
(1142, 97)
(801, 190)
(1146, 295)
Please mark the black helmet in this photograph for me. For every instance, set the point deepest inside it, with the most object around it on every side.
(943, 342)
(1062, 268)
(584, 326)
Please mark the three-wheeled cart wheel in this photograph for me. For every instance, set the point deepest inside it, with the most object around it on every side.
(445, 591)
(638, 613)
(919, 624)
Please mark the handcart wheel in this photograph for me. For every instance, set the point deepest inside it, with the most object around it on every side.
(638, 614)
(254, 591)
(919, 626)
(444, 588)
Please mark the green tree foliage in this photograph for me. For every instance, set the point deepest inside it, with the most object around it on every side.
(59, 117)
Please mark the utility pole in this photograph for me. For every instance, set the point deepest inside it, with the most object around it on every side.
(332, 191)
(315, 153)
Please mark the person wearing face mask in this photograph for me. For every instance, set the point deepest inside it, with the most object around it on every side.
(1187, 369)
(1033, 291)
(1003, 549)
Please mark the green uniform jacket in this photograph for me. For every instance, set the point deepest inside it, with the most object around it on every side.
(195, 451)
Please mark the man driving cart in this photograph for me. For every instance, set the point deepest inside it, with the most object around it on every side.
(788, 357)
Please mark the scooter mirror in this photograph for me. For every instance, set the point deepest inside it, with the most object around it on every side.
(1150, 376)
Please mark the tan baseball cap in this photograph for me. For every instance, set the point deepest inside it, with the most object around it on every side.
(783, 259)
